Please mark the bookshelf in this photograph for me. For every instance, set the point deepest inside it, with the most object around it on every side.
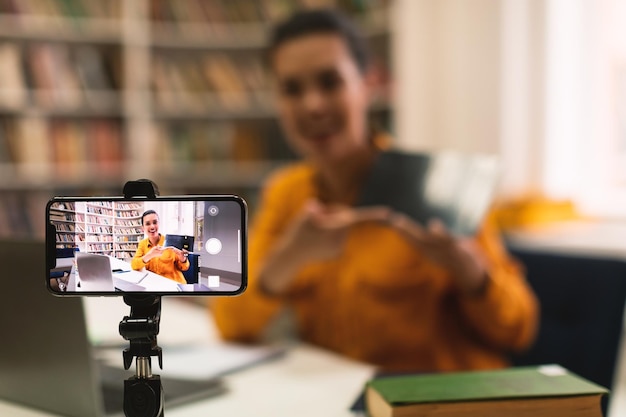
(63, 216)
(94, 93)
(127, 229)
(109, 228)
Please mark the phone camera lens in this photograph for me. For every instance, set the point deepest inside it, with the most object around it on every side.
(213, 211)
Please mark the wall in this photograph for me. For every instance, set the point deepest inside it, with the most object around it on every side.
(175, 217)
(469, 77)
(539, 82)
(446, 61)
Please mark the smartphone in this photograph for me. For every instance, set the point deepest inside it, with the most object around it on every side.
(174, 245)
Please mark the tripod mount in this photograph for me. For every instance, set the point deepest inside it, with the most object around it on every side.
(143, 392)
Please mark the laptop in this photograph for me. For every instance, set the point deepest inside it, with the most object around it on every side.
(46, 359)
(455, 188)
(96, 274)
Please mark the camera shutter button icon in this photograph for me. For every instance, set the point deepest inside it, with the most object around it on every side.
(213, 246)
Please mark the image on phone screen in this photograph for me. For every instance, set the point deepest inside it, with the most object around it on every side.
(190, 245)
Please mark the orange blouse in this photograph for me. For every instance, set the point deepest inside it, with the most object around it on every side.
(382, 301)
(166, 265)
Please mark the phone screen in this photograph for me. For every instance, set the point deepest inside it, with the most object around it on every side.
(185, 245)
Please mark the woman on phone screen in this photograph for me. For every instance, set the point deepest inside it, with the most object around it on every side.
(153, 256)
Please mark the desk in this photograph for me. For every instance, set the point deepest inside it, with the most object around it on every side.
(305, 382)
(130, 279)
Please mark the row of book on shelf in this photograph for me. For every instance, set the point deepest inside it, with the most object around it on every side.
(22, 214)
(220, 12)
(228, 19)
(38, 147)
(79, 77)
(201, 11)
(211, 81)
(53, 75)
(110, 9)
(84, 77)
(67, 148)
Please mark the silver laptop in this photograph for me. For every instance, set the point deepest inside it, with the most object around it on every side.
(46, 360)
(95, 274)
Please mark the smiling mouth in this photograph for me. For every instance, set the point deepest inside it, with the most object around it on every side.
(320, 136)
(319, 130)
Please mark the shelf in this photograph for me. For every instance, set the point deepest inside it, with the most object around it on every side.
(95, 93)
(93, 104)
(251, 36)
(98, 233)
(212, 109)
(60, 29)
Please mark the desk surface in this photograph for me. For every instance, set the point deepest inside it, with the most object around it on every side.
(306, 381)
(604, 239)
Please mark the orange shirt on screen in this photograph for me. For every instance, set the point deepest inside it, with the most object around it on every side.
(167, 265)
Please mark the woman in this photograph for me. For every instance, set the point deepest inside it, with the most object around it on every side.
(165, 261)
(368, 283)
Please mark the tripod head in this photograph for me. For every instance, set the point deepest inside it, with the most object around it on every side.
(141, 329)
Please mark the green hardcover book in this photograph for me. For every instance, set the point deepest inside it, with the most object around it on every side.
(541, 391)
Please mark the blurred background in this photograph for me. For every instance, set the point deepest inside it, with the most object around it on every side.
(95, 93)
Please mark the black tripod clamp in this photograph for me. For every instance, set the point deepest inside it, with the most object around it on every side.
(141, 329)
(143, 392)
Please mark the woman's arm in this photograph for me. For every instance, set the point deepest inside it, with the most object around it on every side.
(137, 262)
(182, 260)
(506, 313)
(496, 302)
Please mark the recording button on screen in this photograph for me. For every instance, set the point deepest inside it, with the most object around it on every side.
(213, 246)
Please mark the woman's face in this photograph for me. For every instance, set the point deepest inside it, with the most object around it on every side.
(151, 225)
(322, 97)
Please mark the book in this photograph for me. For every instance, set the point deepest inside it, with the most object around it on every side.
(454, 187)
(12, 85)
(537, 391)
(30, 147)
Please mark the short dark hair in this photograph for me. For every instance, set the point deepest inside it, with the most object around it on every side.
(145, 213)
(315, 21)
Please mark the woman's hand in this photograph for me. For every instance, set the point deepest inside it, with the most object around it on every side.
(461, 256)
(181, 254)
(318, 233)
(320, 230)
(154, 252)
